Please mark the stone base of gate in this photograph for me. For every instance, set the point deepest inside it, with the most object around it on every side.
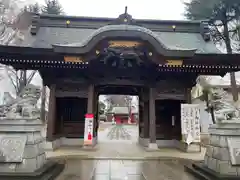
(189, 148)
(22, 151)
(193, 147)
(143, 141)
(222, 159)
(68, 142)
(49, 171)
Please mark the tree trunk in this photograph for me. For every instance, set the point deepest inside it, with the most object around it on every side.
(212, 114)
(24, 78)
(209, 109)
(43, 101)
(22, 81)
(229, 51)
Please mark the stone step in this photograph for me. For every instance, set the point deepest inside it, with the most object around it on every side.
(48, 172)
(204, 173)
(196, 173)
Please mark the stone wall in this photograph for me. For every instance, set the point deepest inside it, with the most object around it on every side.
(34, 156)
(22, 145)
(218, 155)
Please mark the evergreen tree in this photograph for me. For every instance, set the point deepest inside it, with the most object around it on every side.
(101, 107)
(219, 13)
(52, 7)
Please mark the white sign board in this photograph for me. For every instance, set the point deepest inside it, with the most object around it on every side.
(190, 123)
(88, 129)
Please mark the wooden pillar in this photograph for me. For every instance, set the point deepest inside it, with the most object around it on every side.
(51, 114)
(146, 119)
(146, 112)
(140, 115)
(152, 115)
(188, 95)
(95, 111)
(90, 105)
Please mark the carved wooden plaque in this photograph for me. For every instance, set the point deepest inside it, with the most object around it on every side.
(73, 59)
(128, 44)
(174, 62)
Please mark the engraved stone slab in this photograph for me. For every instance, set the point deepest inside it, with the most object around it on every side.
(12, 148)
(234, 149)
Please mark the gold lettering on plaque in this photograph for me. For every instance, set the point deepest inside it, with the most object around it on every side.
(72, 59)
(174, 62)
(128, 44)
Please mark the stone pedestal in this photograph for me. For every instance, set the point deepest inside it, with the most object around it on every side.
(143, 141)
(152, 147)
(93, 146)
(222, 159)
(22, 148)
(188, 148)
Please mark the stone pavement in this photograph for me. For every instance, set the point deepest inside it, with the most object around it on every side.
(121, 143)
(118, 132)
(119, 157)
(124, 170)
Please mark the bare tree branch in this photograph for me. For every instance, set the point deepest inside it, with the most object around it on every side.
(30, 77)
(11, 76)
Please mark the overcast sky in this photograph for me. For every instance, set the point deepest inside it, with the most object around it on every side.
(140, 9)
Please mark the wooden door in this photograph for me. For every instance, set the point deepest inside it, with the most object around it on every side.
(176, 120)
(168, 119)
(163, 125)
(71, 115)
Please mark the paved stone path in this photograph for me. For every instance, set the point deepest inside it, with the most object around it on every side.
(122, 143)
(119, 132)
(124, 170)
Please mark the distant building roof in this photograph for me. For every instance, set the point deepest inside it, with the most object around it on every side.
(120, 110)
(123, 110)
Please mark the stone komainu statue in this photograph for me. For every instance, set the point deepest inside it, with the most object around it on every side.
(224, 108)
(24, 106)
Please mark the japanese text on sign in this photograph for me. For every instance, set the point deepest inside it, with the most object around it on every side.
(190, 122)
(88, 131)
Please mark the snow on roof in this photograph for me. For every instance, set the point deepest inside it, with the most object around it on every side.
(219, 81)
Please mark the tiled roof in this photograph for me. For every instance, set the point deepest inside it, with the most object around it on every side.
(123, 110)
(52, 30)
(120, 110)
(47, 36)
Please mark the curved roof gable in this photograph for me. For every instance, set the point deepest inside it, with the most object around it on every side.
(80, 34)
(124, 31)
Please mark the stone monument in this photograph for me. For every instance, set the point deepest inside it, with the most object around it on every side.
(222, 158)
(22, 153)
